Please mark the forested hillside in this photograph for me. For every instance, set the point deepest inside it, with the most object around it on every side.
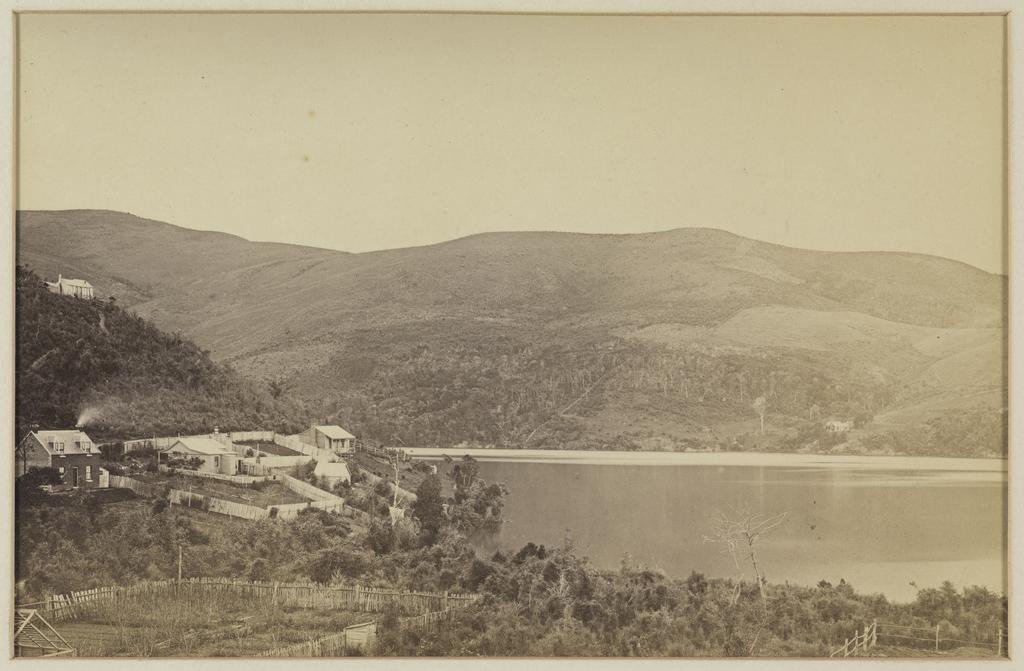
(686, 339)
(93, 362)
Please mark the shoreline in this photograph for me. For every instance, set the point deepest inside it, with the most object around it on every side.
(756, 459)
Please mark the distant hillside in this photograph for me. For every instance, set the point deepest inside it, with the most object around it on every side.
(92, 362)
(656, 341)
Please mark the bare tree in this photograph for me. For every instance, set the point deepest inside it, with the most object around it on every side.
(738, 533)
(760, 405)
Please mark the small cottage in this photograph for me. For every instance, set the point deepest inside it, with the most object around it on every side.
(66, 287)
(838, 427)
(331, 473)
(71, 452)
(330, 437)
(208, 455)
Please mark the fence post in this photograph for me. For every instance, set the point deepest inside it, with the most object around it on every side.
(846, 648)
(874, 633)
(936, 638)
(999, 653)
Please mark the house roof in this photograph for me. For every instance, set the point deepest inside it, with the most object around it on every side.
(332, 469)
(68, 437)
(201, 446)
(334, 432)
(74, 283)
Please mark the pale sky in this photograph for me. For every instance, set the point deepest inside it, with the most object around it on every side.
(362, 132)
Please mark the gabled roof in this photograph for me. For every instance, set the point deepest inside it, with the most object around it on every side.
(68, 437)
(201, 446)
(334, 432)
(76, 283)
(332, 469)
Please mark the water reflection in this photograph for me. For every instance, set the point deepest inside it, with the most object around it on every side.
(878, 529)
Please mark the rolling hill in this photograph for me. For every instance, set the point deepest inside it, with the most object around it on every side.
(654, 341)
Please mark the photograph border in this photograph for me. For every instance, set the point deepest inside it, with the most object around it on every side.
(1014, 248)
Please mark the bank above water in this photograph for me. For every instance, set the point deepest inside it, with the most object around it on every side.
(773, 459)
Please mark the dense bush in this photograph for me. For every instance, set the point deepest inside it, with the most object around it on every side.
(92, 361)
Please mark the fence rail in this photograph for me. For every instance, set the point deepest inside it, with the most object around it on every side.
(930, 638)
(61, 607)
(284, 511)
(860, 644)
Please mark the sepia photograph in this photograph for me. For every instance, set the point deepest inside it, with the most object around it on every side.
(436, 334)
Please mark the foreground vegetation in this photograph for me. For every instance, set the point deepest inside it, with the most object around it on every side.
(535, 600)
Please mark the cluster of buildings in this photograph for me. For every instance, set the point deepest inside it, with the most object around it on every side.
(75, 456)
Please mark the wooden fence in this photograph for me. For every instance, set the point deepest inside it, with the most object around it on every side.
(235, 479)
(359, 637)
(285, 511)
(860, 644)
(216, 505)
(145, 489)
(305, 489)
(74, 605)
(277, 461)
(932, 638)
(62, 607)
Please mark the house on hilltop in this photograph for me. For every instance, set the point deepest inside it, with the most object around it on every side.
(330, 437)
(76, 288)
(211, 455)
(71, 452)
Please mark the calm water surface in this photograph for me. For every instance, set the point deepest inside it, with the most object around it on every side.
(879, 529)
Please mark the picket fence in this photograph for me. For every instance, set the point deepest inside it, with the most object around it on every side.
(277, 461)
(163, 442)
(358, 637)
(305, 489)
(216, 505)
(235, 479)
(144, 489)
(284, 511)
(64, 607)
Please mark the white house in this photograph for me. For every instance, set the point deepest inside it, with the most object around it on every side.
(215, 457)
(332, 472)
(66, 287)
(331, 437)
(838, 427)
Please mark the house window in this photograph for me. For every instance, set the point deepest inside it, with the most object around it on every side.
(88, 472)
(216, 462)
(50, 445)
(62, 471)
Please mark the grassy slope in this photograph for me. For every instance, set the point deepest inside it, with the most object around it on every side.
(335, 323)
